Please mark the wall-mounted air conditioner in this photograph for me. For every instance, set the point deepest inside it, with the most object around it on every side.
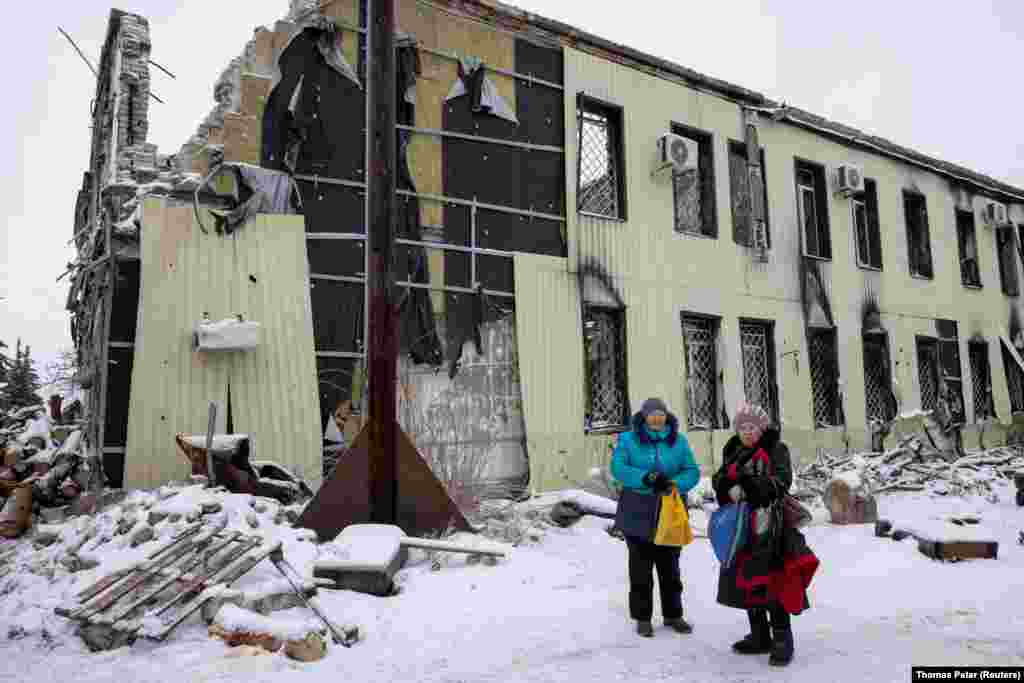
(849, 179)
(673, 154)
(995, 214)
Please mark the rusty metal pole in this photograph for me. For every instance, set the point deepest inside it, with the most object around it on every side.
(383, 323)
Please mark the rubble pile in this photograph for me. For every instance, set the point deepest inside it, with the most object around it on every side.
(118, 536)
(912, 466)
(44, 466)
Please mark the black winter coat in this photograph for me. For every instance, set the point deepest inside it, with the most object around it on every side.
(778, 575)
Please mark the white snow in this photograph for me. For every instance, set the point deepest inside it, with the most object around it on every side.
(851, 479)
(364, 547)
(37, 428)
(221, 442)
(556, 610)
(236, 619)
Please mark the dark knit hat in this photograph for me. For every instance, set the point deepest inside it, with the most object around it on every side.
(653, 405)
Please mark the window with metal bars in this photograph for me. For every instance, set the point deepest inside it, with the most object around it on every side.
(812, 207)
(1014, 381)
(700, 347)
(928, 371)
(601, 176)
(744, 230)
(981, 380)
(824, 362)
(919, 246)
(868, 229)
(879, 399)
(604, 353)
(758, 353)
(1007, 260)
(693, 188)
(951, 388)
(970, 273)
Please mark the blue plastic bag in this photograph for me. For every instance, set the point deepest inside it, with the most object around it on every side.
(729, 531)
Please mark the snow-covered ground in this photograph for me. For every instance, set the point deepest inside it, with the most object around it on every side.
(556, 610)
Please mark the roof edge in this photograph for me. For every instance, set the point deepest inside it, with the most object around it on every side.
(515, 18)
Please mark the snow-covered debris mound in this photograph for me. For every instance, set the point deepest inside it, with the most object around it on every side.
(911, 467)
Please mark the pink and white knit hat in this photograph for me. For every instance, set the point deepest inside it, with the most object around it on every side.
(750, 417)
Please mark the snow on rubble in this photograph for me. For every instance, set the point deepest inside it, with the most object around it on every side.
(554, 609)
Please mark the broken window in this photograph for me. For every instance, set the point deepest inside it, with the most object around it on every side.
(812, 206)
(744, 232)
(693, 188)
(824, 361)
(918, 241)
(600, 180)
(1007, 260)
(951, 387)
(757, 351)
(981, 380)
(879, 400)
(869, 232)
(604, 352)
(928, 371)
(970, 274)
(1014, 382)
(700, 346)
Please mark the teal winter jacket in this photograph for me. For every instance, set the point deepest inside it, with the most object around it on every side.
(640, 451)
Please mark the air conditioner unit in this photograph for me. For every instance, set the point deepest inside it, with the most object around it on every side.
(849, 179)
(995, 214)
(673, 154)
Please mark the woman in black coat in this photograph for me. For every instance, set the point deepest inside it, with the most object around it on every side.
(769, 577)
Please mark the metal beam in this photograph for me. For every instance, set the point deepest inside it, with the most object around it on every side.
(444, 199)
(383, 318)
(481, 138)
(532, 80)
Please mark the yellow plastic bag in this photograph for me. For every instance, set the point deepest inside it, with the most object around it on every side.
(673, 522)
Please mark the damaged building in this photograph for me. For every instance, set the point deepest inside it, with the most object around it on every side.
(580, 226)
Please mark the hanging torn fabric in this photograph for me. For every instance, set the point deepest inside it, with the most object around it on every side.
(482, 309)
(418, 326)
(482, 91)
(409, 68)
(256, 190)
(327, 39)
(314, 82)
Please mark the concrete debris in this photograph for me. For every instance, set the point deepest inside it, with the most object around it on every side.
(44, 468)
(312, 648)
(848, 503)
(911, 466)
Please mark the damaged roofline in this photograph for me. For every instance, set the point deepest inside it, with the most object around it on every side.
(574, 37)
(1007, 192)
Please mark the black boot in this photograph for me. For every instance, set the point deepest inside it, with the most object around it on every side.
(782, 647)
(759, 640)
(645, 628)
(681, 625)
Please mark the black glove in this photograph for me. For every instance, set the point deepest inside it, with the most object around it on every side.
(758, 491)
(649, 479)
(661, 483)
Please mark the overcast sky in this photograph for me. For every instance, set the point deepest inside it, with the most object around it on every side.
(939, 76)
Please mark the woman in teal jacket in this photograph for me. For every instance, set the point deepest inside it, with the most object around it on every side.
(649, 460)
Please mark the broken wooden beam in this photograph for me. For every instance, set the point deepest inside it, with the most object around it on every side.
(958, 550)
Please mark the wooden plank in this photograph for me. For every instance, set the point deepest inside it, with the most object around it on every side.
(108, 581)
(139, 576)
(174, 577)
(958, 550)
(201, 580)
(224, 577)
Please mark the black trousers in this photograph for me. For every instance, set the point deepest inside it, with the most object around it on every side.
(644, 557)
(780, 620)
